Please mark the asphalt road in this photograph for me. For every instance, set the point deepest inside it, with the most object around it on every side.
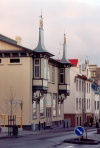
(46, 141)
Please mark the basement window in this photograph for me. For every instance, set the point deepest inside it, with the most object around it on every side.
(15, 60)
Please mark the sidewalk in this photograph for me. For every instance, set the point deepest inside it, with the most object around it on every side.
(44, 132)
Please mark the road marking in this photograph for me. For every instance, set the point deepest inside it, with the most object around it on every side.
(69, 146)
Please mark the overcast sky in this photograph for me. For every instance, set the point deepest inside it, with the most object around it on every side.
(79, 19)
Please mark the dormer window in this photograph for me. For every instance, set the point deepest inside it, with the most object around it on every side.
(37, 68)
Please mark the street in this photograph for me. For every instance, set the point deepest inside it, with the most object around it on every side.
(52, 140)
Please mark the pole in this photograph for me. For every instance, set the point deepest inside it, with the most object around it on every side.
(21, 119)
(86, 132)
(4, 120)
(11, 101)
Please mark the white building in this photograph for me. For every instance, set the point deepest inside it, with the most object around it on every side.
(77, 107)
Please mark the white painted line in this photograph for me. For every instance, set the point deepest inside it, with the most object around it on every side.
(69, 146)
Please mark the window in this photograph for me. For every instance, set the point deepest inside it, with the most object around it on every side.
(49, 73)
(87, 103)
(79, 85)
(82, 86)
(76, 85)
(34, 110)
(59, 109)
(0, 61)
(37, 68)
(97, 105)
(53, 74)
(61, 76)
(14, 60)
(54, 104)
(93, 73)
(87, 87)
(77, 104)
(48, 100)
(45, 68)
(80, 104)
(42, 107)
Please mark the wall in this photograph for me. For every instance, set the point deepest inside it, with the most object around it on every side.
(16, 83)
(6, 46)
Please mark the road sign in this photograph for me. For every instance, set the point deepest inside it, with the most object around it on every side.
(79, 131)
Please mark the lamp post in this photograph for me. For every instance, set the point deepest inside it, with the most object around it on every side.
(21, 121)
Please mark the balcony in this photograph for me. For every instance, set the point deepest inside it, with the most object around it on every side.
(40, 84)
(64, 89)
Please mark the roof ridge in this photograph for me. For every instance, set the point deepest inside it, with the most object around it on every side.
(5, 38)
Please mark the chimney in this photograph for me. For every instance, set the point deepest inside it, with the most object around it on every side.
(18, 39)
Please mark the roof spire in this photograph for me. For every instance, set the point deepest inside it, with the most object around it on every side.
(41, 47)
(64, 38)
(41, 20)
(64, 60)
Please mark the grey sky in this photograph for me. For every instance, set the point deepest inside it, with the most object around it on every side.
(80, 19)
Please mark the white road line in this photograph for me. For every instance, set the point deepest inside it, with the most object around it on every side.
(69, 146)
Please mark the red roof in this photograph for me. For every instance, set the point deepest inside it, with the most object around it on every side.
(74, 61)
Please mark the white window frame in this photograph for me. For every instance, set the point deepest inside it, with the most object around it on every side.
(36, 65)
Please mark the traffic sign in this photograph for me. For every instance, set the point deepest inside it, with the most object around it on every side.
(79, 131)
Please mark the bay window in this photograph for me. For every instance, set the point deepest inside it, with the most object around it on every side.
(37, 68)
(62, 75)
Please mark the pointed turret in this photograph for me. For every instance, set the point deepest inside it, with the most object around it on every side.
(41, 47)
(64, 60)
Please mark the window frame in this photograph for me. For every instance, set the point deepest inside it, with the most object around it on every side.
(63, 74)
(14, 60)
(37, 65)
